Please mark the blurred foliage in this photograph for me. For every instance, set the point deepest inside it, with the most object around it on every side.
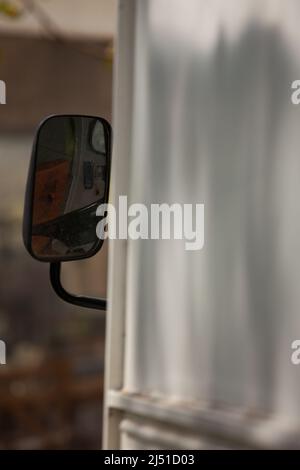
(10, 9)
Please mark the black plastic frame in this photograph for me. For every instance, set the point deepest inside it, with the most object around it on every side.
(79, 300)
(30, 187)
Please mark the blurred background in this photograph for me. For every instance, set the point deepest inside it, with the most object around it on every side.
(55, 57)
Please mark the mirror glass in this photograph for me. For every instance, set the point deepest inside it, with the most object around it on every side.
(70, 181)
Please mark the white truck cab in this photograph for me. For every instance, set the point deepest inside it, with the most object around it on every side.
(199, 343)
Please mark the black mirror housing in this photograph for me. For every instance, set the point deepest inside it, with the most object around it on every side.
(68, 179)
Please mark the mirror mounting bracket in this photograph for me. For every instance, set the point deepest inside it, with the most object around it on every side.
(79, 300)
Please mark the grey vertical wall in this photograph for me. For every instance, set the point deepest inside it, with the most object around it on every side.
(213, 123)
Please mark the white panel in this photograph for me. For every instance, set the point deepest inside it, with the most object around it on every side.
(122, 124)
(213, 124)
(138, 434)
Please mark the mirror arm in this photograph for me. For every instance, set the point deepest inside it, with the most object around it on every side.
(81, 301)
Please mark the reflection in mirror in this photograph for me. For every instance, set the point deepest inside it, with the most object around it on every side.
(70, 183)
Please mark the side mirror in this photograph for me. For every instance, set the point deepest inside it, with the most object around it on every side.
(68, 179)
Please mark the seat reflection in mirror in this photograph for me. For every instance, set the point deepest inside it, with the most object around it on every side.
(70, 182)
